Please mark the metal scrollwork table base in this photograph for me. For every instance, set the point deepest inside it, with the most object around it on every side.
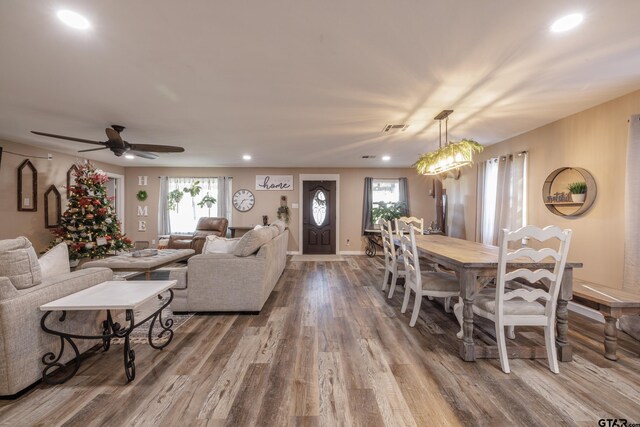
(111, 329)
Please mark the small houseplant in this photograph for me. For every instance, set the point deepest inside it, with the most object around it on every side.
(578, 191)
(283, 213)
(387, 211)
(174, 198)
(207, 201)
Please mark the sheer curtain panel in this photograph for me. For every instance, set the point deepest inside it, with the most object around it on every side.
(164, 225)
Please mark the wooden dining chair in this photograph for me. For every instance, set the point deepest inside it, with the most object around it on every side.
(392, 264)
(431, 284)
(418, 223)
(522, 306)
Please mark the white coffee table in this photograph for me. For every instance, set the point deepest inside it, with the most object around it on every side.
(112, 295)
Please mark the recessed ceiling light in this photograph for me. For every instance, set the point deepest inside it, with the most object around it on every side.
(246, 157)
(129, 156)
(73, 19)
(386, 158)
(567, 23)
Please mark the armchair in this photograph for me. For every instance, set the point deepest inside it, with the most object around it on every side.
(206, 226)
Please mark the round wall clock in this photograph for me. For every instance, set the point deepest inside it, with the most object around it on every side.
(243, 200)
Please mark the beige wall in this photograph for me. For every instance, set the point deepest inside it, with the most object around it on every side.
(595, 139)
(267, 202)
(31, 224)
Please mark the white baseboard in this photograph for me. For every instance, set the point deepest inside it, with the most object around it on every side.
(294, 253)
(351, 253)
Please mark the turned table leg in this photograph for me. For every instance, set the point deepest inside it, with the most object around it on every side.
(610, 337)
(467, 290)
(565, 351)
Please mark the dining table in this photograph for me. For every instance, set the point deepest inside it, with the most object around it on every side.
(474, 263)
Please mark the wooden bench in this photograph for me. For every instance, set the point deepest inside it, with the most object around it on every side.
(612, 303)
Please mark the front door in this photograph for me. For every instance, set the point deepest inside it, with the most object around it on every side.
(319, 217)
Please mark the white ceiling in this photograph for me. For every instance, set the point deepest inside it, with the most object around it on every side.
(305, 83)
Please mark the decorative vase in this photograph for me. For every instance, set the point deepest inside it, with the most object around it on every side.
(265, 220)
(578, 198)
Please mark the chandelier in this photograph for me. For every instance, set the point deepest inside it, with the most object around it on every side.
(451, 156)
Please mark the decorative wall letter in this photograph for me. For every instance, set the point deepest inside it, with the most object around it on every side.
(143, 210)
(142, 180)
(142, 225)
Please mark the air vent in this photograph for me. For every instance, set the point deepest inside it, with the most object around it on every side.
(368, 157)
(394, 128)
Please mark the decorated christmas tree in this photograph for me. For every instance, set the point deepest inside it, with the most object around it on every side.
(89, 226)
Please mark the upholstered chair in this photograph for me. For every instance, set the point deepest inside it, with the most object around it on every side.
(206, 226)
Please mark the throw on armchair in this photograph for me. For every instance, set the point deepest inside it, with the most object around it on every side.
(206, 226)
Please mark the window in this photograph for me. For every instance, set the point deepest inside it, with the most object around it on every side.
(378, 191)
(385, 190)
(184, 210)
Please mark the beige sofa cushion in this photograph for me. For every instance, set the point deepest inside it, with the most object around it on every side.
(19, 262)
(251, 242)
(219, 245)
(55, 261)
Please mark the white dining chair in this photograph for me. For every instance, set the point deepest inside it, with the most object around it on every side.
(522, 306)
(418, 223)
(430, 284)
(392, 264)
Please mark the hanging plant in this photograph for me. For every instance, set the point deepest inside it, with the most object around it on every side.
(283, 213)
(207, 201)
(193, 191)
(142, 195)
(173, 199)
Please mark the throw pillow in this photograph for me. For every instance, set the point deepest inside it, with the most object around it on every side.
(251, 242)
(55, 261)
(19, 262)
(219, 245)
(281, 225)
(258, 227)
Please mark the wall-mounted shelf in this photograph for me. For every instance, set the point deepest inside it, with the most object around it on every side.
(562, 208)
(564, 203)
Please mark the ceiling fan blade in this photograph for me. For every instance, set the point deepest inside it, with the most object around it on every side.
(93, 149)
(114, 136)
(157, 148)
(86, 141)
(143, 154)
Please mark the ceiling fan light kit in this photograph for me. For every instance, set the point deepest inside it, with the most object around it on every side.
(118, 146)
(453, 155)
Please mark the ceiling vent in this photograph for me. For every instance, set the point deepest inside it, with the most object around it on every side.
(369, 157)
(394, 128)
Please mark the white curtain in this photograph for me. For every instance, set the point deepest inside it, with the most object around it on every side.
(502, 196)
(632, 207)
(224, 197)
(631, 276)
(164, 225)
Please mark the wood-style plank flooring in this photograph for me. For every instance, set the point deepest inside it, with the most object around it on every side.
(330, 349)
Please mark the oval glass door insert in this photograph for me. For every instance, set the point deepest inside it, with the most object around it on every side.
(319, 206)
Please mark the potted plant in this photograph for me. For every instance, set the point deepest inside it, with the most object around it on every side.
(283, 213)
(173, 199)
(387, 211)
(578, 191)
(207, 201)
(193, 191)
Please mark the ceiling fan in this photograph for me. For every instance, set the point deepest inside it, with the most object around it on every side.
(118, 146)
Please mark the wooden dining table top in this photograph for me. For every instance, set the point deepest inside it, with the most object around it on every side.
(467, 254)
